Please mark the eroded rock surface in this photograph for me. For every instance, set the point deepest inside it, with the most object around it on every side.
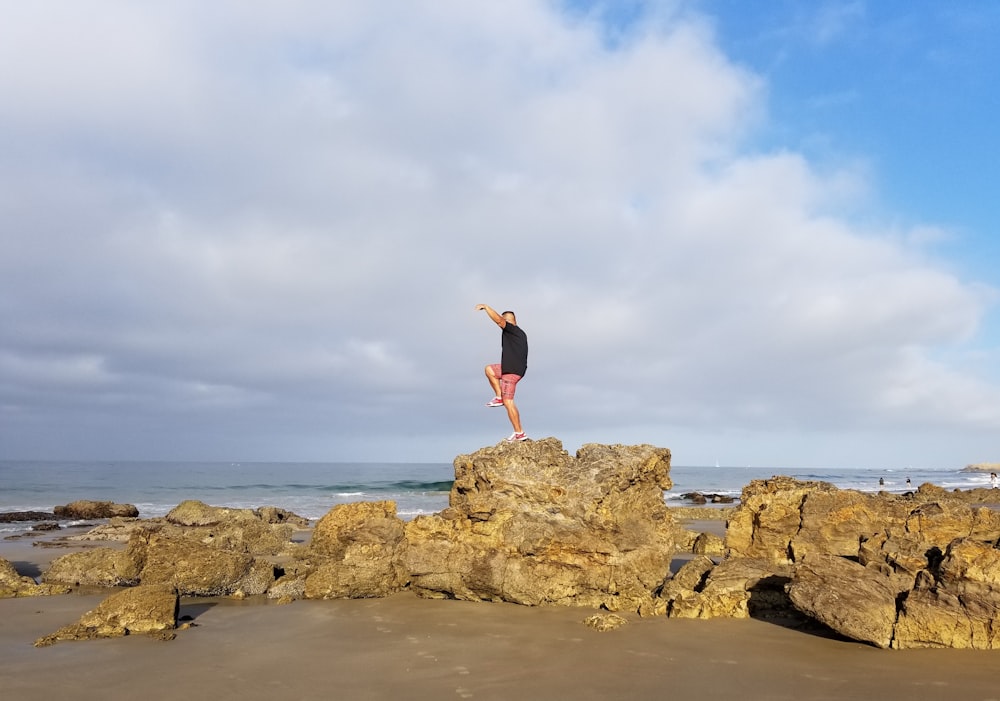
(14, 585)
(145, 609)
(358, 551)
(87, 509)
(529, 523)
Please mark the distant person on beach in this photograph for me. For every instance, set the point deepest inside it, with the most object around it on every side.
(993, 480)
(504, 376)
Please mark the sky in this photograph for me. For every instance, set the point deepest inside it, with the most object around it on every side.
(754, 233)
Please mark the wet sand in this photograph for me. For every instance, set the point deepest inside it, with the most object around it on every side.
(404, 647)
(408, 648)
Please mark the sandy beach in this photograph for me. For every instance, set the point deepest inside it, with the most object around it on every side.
(406, 647)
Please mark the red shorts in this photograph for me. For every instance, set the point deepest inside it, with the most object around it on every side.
(508, 382)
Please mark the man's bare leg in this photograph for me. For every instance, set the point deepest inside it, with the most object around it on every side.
(513, 414)
(494, 380)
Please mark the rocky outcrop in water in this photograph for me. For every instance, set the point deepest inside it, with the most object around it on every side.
(18, 516)
(982, 467)
(86, 509)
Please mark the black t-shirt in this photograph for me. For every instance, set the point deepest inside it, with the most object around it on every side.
(514, 359)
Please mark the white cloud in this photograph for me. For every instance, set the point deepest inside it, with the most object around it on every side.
(290, 212)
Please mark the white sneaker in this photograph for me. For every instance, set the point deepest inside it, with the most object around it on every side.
(496, 401)
(515, 437)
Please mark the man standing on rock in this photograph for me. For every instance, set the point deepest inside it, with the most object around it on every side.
(505, 375)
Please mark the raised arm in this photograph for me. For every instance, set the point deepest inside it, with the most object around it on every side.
(497, 319)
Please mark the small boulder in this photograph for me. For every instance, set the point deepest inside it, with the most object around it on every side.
(849, 598)
(46, 526)
(708, 544)
(603, 622)
(145, 609)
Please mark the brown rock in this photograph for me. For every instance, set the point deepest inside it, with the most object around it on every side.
(708, 544)
(288, 587)
(146, 609)
(958, 604)
(197, 513)
(530, 524)
(13, 585)
(785, 520)
(603, 622)
(86, 509)
(117, 530)
(238, 530)
(835, 521)
(197, 569)
(16, 516)
(768, 517)
(899, 558)
(251, 537)
(735, 588)
(845, 596)
(46, 526)
(360, 550)
(273, 514)
(100, 567)
(199, 559)
(940, 521)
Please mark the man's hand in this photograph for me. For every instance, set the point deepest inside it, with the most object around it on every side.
(497, 319)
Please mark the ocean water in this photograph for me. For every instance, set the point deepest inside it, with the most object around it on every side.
(312, 489)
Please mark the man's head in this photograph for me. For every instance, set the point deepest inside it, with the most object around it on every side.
(509, 317)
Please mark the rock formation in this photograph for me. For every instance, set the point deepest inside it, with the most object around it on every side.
(982, 467)
(145, 609)
(955, 604)
(901, 571)
(846, 596)
(97, 567)
(15, 516)
(530, 524)
(13, 585)
(199, 549)
(735, 588)
(783, 519)
(184, 561)
(358, 551)
(85, 509)
(196, 569)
